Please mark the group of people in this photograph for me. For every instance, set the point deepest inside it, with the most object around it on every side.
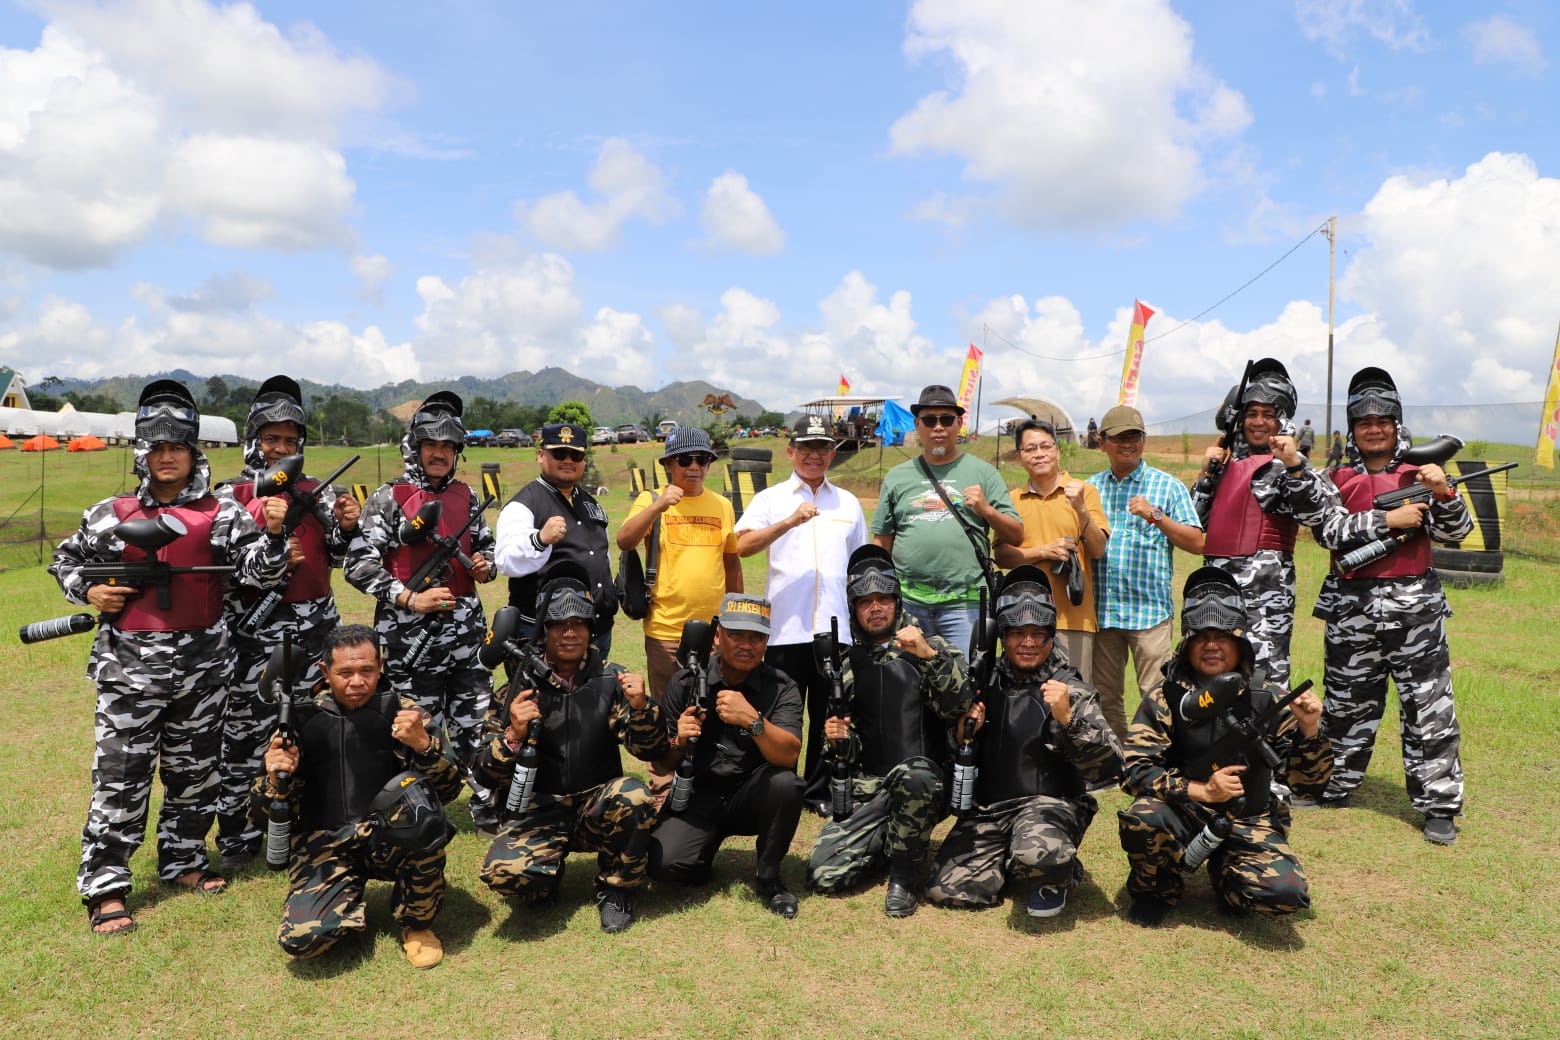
(923, 678)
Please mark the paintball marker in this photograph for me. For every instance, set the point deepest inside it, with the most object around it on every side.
(1439, 451)
(1243, 739)
(424, 527)
(826, 654)
(282, 479)
(281, 668)
(982, 658)
(148, 534)
(1230, 416)
(527, 670)
(693, 653)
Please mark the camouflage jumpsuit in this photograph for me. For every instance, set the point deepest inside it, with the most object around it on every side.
(1267, 577)
(612, 819)
(1397, 626)
(451, 683)
(329, 869)
(246, 722)
(1254, 870)
(1032, 839)
(893, 815)
(159, 699)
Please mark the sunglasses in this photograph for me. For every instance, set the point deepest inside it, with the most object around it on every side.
(694, 458)
(567, 454)
(939, 420)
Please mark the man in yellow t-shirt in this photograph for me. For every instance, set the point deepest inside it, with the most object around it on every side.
(1064, 520)
(698, 562)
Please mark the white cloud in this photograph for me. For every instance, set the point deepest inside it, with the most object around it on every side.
(1084, 115)
(736, 220)
(373, 270)
(129, 118)
(630, 186)
(615, 349)
(1336, 23)
(1498, 40)
(223, 292)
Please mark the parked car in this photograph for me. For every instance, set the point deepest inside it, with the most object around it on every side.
(631, 433)
(665, 428)
(603, 435)
(513, 439)
(479, 438)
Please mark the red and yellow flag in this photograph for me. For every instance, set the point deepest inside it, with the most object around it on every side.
(967, 380)
(844, 385)
(1133, 362)
(1549, 422)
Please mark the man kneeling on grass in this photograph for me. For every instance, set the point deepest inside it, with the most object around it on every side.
(356, 786)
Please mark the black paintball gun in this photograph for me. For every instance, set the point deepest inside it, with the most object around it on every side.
(982, 659)
(282, 479)
(1439, 451)
(149, 534)
(1231, 416)
(831, 665)
(527, 670)
(693, 653)
(424, 527)
(1244, 739)
(276, 687)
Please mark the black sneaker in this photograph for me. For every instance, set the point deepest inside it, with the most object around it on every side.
(900, 901)
(1440, 830)
(617, 909)
(1301, 801)
(1148, 911)
(818, 807)
(776, 897)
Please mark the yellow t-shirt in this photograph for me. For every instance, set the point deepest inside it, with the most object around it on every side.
(690, 581)
(1049, 518)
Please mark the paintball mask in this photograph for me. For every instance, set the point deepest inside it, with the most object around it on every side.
(279, 400)
(1026, 599)
(1372, 392)
(565, 594)
(439, 419)
(407, 816)
(1269, 384)
(166, 413)
(870, 572)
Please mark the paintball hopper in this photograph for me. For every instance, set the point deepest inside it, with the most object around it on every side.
(694, 646)
(500, 634)
(1218, 696)
(151, 533)
(279, 399)
(283, 476)
(1437, 450)
(425, 522)
(281, 667)
(1025, 599)
(1372, 392)
(870, 572)
(1269, 383)
(166, 413)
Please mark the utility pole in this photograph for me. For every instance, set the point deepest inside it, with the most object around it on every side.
(1332, 253)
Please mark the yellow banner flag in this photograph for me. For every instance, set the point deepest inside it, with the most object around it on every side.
(967, 380)
(1130, 366)
(1549, 422)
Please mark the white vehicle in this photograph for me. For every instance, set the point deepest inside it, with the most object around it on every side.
(603, 435)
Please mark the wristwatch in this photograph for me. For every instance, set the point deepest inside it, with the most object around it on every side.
(1156, 516)
(757, 727)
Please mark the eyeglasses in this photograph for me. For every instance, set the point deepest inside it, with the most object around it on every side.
(1036, 449)
(941, 419)
(806, 448)
(182, 412)
(567, 454)
(693, 458)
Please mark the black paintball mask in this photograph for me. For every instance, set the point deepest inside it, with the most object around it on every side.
(1211, 599)
(565, 594)
(1025, 599)
(870, 572)
(279, 400)
(438, 419)
(1372, 392)
(1269, 384)
(166, 413)
(407, 817)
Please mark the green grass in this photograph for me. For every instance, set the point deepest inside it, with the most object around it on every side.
(1404, 939)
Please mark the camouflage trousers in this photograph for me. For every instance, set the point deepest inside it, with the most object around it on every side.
(329, 871)
(1267, 589)
(891, 823)
(457, 697)
(141, 730)
(1030, 840)
(1362, 648)
(613, 820)
(1254, 870)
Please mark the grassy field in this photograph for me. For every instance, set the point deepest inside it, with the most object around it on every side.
(1404, 939)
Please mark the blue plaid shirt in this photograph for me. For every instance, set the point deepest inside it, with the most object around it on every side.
(1132, 582)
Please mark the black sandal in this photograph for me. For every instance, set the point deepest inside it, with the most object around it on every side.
(201, 883)
(96, 915)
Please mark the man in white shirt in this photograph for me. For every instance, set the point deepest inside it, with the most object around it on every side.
(809, 527)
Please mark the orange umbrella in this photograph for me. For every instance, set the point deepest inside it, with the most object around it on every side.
(87, 443)
(42, 442)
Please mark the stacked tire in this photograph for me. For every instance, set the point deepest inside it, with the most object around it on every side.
(757, 464)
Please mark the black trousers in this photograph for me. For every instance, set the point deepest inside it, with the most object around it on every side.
(796, 660)
(767, 802)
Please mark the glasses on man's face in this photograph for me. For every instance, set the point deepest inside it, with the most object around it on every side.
(567, 454)
(813, 450)
(1037, 449)
(941, 419)
(693, 458)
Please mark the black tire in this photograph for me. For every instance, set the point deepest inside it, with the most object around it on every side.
(1469, 579)
(1478, 562)
(753, 454)
(737, 465)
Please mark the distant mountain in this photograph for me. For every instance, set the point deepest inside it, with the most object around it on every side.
(608, 405)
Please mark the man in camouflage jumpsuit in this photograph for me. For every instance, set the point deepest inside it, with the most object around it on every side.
(274, 430)
(903, 688)
(1251, 498)
(574, 711)
(353, 739)
(1389, 616)
(449, 682)
(1043, 741)
(1184, 773)
(161, 672)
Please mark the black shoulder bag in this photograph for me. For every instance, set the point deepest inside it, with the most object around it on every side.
(635, 582)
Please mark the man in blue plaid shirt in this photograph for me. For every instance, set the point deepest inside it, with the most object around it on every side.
(1151, 514)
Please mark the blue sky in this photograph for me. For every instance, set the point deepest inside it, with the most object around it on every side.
(766, 196)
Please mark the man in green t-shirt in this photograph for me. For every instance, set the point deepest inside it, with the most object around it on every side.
(939, 572)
